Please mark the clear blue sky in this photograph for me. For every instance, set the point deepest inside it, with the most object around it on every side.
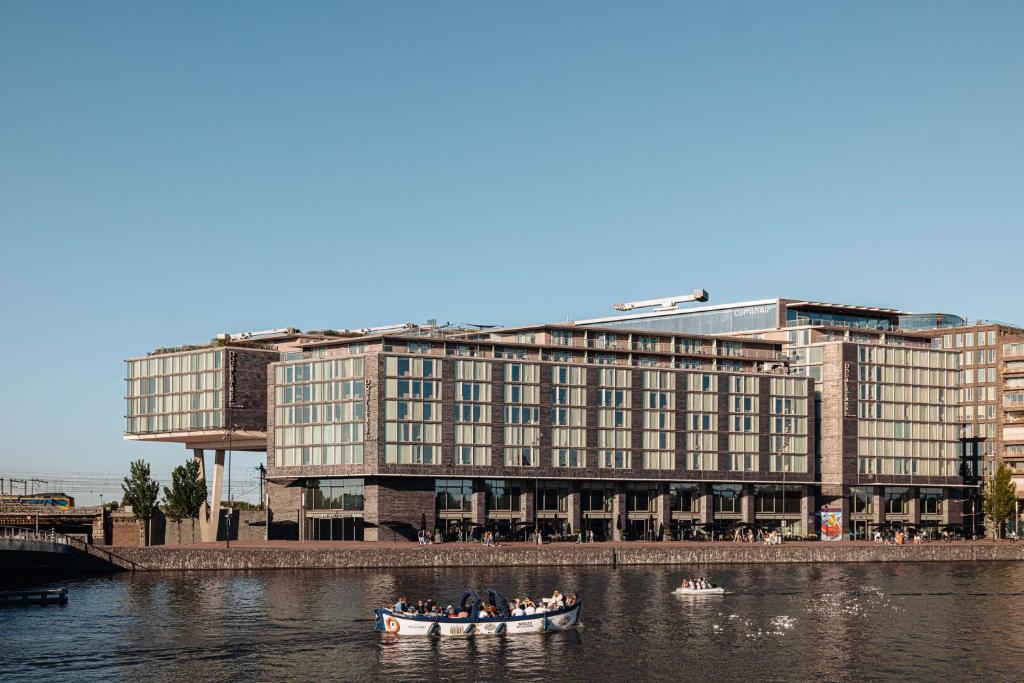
(170, 171)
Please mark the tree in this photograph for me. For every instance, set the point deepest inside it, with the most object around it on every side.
(141, 492)
(187, 494)
(1000, 495)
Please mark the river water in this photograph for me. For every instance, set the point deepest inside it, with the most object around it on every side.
(778, 622)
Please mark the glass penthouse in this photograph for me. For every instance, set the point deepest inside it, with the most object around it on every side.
(888, 402)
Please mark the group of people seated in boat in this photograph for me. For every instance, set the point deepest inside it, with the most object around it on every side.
(519, 607)
(522, 607)
(692, 584)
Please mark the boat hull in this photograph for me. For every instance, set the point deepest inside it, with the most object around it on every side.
(705, 591)
(411, 625)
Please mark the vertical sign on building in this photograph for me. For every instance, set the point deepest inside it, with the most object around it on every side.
(369, 434)
(232, 363)
(849, 390)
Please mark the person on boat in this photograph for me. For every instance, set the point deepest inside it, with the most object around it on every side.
(573, 598)
(555, 601)
(530, 607)
(517, 610)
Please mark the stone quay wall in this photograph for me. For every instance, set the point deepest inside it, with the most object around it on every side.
(206, 558)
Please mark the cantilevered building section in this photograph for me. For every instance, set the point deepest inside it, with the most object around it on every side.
(207, 397)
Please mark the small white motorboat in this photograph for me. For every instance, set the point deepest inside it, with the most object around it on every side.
(714, 590)
(406, 624)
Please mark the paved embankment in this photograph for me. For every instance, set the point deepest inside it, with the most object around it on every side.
(457, 555)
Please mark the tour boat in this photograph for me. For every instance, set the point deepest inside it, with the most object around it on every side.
(401, 623)
(716, 590)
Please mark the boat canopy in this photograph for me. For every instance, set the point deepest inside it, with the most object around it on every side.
(472, 600)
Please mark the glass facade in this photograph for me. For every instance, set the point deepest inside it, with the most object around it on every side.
(908, 411)
(175, 392)
(412, 411)
(929, 321)
(719, 321)
(798, 316)
(319, 412)
(334, 494)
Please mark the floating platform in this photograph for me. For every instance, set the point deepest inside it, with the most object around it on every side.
(57, 596)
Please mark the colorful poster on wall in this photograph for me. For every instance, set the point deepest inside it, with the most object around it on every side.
(831, 523)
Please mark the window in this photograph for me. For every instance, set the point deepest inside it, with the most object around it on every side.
(454, 495)
(642, 497)
(552, 497)
(597, 497)
(930, 501)
(614, 459)
(743, 462)
(862, 501)
(685, 497)
(501, 495)
(726, 497)
(776, 499)
(334, 494)
(568, 457)
(896, 499)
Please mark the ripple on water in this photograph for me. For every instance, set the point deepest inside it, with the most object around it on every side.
(314, 625)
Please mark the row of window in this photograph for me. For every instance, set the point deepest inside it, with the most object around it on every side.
(937, 415)
(576, 457)
(318, 371)
(175, 384)
(173, 364)
(950, 341)
(916, 358)
(351, 411)
(347, 390)
(197, 420)
(888, 448)
(895, 500)
(907, 430)
(318, 435)
(175, 403)
(908, 467)
(351, 454)
(500, 495)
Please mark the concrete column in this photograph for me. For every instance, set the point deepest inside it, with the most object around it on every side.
(574, 506)
(478, 511)
(914, 505)
(528, 502)
(747, 504)
(204, 510)
(808, 507)
(707, 505)
(619, 515)
(879, 505)
(210, 529)
(663, 517)
(953, 508)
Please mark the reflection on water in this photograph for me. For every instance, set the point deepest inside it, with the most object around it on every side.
(835, 622)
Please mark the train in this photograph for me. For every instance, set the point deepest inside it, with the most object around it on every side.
(47, 501)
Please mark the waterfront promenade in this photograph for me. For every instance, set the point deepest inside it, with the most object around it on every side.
(325, 555)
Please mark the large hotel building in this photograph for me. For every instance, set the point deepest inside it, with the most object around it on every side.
(665, 424)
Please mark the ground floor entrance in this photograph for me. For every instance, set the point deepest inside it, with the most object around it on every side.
(334, 528)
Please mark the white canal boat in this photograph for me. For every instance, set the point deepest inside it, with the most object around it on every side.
(406, 624)
(716, 590)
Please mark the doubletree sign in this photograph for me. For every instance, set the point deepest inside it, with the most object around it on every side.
(232, 362)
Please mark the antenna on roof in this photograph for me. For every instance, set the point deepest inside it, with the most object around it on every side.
(668, 303)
